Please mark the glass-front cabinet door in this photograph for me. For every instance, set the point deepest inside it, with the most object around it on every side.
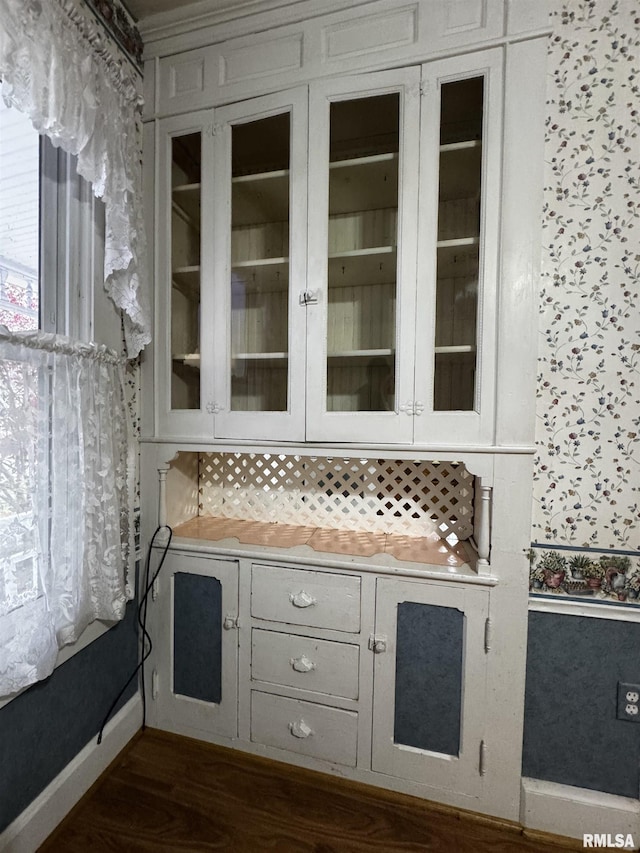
(184, 294)
(457, 251)
(260, 267)
(363, 168)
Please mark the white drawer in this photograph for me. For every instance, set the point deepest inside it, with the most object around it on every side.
(305, 662)
(315, 599)
(304, 727)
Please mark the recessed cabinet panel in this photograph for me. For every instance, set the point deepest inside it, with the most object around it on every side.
(428, 695)
(197, 637)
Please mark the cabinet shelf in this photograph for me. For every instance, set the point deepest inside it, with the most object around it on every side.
(260, 262)
(456, 243)
(460, 170)
(186, 203)
(261, 360)
(191, 359)
(187, 280)
(344, 358)
(263, 274)
(260, 198)
(465, 145)
(453, 350)
(363, 183)
(456, 261)
(377, 265)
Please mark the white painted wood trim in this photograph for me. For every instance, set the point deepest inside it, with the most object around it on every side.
(591, 609)
(566, 810)
(92, 632)
(38, 820)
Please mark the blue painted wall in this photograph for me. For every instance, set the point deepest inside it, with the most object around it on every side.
(571, 734)
(45, 727)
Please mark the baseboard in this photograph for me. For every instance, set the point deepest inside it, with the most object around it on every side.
(569, 811)
(40, 818)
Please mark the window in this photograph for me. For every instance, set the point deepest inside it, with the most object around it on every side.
(51, 265)
(51, 234)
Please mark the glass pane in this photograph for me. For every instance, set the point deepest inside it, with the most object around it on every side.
(19, 220)
(185, 271)
(363, 225)
(458, 244)
(260, 265)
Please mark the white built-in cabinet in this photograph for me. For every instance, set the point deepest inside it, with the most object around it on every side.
(344, 206)
(325, 667)
(328, 260)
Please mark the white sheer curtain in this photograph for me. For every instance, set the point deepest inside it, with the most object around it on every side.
(65, 74)
(66, 469)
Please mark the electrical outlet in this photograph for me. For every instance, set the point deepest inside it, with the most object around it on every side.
(628, 702)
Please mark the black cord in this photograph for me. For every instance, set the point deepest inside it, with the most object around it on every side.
(146, 645)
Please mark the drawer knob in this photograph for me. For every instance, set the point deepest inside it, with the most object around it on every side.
(302, 664)
(302, 599)
(300, 729)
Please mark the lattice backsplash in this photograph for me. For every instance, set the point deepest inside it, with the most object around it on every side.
(380, 496)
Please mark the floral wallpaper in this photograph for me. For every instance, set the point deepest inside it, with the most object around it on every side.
(586, 491)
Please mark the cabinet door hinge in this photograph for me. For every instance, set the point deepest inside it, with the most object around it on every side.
(154, 685)
(482, 758)
(487, 634)
(230, 622)
(377, 643)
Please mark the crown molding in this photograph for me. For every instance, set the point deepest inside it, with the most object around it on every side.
(206, 22)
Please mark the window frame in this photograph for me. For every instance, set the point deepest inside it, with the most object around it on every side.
(72, 298)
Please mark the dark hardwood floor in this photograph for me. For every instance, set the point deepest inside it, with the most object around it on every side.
(167, 793)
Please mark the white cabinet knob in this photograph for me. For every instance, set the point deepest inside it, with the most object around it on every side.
(302, 599)
(300, 729)
(302, 664)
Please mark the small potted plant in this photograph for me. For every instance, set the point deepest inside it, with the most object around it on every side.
(536, 576)
(593, 574)
(578, 564)
(615, 573)
(554, 568)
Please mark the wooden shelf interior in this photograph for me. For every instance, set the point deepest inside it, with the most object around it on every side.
(186, 160)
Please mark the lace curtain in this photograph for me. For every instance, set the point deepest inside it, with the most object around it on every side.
(59, 69)
(66, 472)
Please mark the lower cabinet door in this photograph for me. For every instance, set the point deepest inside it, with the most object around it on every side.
(429, 684)
(196, 662)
